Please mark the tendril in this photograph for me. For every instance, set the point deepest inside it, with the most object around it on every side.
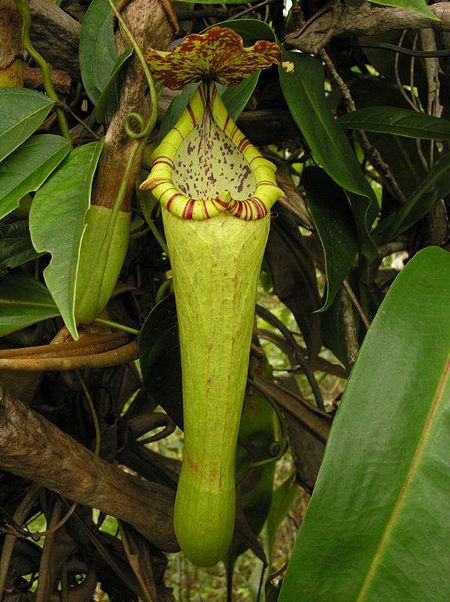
(24, 10)
(145, 128)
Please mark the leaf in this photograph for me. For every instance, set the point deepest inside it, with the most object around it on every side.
(294, 278)
(159, 355)
(23, 301)
(302, 82)
(109, 98)
(434, 187)
(377, 527)
(28, 167)
(98, 52)
(418, 6)
(401, 122)
(398, 152)
(256, 436)
(282, 500)
(15, 246)
(22, 111)
(57, 224)
(235, 98)
(335, 226)
(176, 108)
(252, 30)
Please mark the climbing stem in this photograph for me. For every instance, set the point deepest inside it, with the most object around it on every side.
(24, 8)
(145, 130)
(117, 326)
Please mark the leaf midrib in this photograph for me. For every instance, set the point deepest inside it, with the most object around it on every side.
(408, 480)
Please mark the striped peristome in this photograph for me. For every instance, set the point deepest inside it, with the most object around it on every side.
(206, 107)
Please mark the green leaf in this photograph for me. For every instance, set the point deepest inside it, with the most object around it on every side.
(159, 355)
(235, 98)
(23, 301)
(109, 98)
(15, 246)
(282, 500)
(418, 6)
(28, 167)
(401, 122)
(256, 436)
(335, 226)
(22, 111)
(98, 52)
(252, 30)
(377, 527)
(176, 108)
(302, 82)
(434, 187)
(57, 224)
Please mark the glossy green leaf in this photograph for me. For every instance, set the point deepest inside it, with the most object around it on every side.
(252, 30)
(418, 6)
(256, 436)
(302, 82)
(22, 111)
(435, 186)
(15, 246)
(176, 108)
(109, 98)
(332, 328)
(23, 301)
(98, 52)
(235, 98)
(159, 354)
(377, 527)
(28, 167)
(394, 120)
(335, 226)
(282, 500)
(57, 224)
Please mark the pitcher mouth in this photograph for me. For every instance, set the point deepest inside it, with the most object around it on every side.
(182, 188)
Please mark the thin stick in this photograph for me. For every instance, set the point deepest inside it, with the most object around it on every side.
(357, 304)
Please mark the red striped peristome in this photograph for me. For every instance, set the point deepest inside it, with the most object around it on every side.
(160, 180)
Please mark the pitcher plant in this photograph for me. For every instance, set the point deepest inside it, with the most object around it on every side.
(216, 190)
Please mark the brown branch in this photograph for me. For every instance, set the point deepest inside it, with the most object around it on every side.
(11, 64)
(56, 35)
(365, 19)
(113, 357)
(147, 21)
(34, 448)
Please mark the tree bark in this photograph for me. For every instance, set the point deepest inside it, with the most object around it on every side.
(11, 60)
(34, 448)
(364, 19)
(56, 35)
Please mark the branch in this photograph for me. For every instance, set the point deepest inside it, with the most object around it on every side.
(149, 25)
(364, 19)
(55, 35)
(35, 449)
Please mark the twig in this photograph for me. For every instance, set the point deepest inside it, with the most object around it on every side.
(357, 304)
(377, 160)
(351, 333)
(34, 448)
(297, 351)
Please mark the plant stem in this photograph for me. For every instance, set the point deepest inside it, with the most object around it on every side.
(24, 8)
(117, 326)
